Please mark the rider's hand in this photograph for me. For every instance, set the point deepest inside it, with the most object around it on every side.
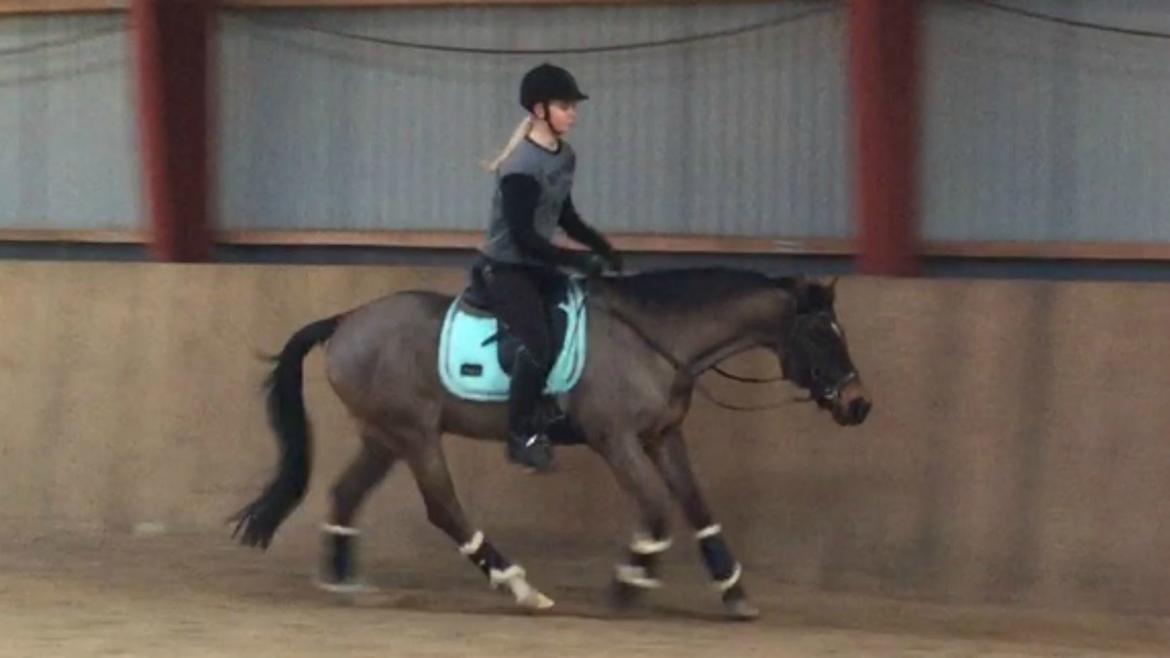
(590, 265)
(613, 259)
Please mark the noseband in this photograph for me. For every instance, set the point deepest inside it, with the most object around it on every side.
(832, 393)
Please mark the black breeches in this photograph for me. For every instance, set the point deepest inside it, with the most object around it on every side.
(517, 296)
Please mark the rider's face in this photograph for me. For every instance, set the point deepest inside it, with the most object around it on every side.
(562, 115)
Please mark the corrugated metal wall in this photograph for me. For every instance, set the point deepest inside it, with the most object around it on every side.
(68, 152)
(1038, 131)
(1033, 131)
(744, 135)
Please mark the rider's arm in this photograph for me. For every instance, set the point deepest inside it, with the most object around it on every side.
(519, 194)
(577, 229)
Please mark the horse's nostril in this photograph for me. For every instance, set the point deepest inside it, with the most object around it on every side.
(859, 409)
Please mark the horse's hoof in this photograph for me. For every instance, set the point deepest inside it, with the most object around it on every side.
(525, 595)
(345, 587)
(536, 601)
(741, 610)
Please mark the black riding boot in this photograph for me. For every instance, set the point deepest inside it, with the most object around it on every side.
(528, 443)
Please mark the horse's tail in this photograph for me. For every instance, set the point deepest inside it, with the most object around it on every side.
(286, 415)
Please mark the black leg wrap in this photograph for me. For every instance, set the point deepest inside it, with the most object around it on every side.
(720, 564)
(501, 573)
(633, 579)
(736, 593)
(726, 573)
(341, 562)
(647, 562)
(488, 559)
(338, 564)
(641, 568)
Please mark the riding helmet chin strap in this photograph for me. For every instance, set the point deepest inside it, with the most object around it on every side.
(548, 119)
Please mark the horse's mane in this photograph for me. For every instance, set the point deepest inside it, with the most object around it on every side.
(697, 287)
(688, 288)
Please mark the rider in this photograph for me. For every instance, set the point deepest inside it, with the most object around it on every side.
(518, 262)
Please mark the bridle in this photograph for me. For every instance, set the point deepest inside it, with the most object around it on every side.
(831, 395)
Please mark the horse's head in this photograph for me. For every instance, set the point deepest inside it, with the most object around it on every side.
(814, 354)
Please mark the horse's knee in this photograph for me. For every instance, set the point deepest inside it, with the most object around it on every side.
(345, 491)
(655, 517)
(438, 516)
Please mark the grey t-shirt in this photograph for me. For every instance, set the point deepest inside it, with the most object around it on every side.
(553, 171)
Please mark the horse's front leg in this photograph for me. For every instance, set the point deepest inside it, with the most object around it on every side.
(670, 456)
(638, 477)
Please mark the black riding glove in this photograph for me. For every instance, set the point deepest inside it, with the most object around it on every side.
(613, 259)
(590, 264)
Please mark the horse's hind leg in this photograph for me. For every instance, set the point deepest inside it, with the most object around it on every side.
(424, 454)
(670, 455)
(368, 468)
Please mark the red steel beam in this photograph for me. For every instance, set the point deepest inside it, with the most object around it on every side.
(884, 77)
(172, 48)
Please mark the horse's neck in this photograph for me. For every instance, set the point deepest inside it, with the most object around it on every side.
(723, 351)
(700, 337)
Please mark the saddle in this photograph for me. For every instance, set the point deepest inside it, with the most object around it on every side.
(475, 301)
(476, 350)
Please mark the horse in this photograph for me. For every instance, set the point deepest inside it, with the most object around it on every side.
(650, 336)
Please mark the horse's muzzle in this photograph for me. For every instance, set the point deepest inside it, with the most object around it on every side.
(852, 406)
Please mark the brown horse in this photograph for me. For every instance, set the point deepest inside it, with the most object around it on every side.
(650, 336)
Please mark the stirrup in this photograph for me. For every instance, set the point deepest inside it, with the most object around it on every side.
(534, 452)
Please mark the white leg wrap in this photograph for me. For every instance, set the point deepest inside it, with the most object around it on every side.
(507, 576)
(340, 530)
(709, 531)
(724, 585)
(526, 595)
(469, 549)
(346, 588)
(636, 576)
(643, 545)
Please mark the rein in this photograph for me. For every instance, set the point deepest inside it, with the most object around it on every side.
(679, 365)
(747, 380)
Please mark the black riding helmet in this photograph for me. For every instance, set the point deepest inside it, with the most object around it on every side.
(548, 82)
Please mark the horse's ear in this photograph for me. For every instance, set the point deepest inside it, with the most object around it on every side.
(818, 296)
(810, 295)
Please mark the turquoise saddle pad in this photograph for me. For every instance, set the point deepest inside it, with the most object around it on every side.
(469, 359)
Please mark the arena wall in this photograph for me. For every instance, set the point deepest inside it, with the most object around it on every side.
(1017, 452)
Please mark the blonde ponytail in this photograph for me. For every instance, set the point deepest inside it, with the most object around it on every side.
(517, 137)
